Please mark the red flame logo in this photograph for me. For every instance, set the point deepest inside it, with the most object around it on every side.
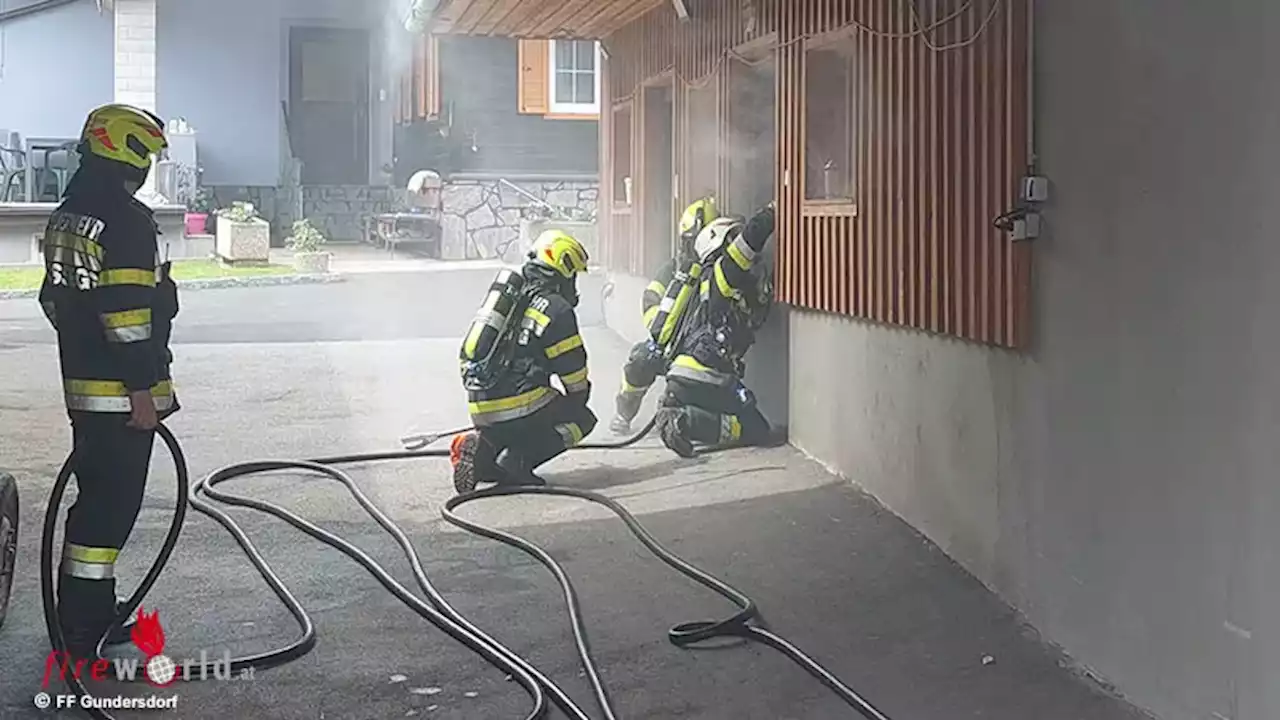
(148, 634)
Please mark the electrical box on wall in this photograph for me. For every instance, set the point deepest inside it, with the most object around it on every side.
(1035, 189)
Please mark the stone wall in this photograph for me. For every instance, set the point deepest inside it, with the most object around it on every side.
(338, 211)
(482, 217)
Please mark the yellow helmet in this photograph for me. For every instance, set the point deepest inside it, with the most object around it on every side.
(690, 222)
(559, 251)
(125, 134)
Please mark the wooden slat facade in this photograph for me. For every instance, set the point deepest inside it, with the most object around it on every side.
(938, 143)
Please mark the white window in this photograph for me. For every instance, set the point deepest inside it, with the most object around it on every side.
(575, 77)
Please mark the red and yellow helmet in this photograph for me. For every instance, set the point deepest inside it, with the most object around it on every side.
(124, 134)
(559, 251)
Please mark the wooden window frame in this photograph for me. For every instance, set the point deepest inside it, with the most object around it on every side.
(571, 110)
(841, 206)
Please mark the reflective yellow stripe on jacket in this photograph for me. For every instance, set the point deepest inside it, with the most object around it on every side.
(684, 366)
(111, 396)
(489, 412)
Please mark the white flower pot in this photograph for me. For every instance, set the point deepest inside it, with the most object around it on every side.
(312, 263)
(243, 241)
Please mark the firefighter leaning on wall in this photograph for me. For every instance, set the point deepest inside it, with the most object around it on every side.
(705, 400)
(663, 304)
(112, 304)
(525, 332)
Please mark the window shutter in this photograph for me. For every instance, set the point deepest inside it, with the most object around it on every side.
(535, 77)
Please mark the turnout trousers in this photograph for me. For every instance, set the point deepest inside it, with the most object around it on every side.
(721, 415)
(111, 465)
(643, 366)
(510, 451)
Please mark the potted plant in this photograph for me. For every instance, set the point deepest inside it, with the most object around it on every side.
(242, 236)
(197, 217)
(305, 241)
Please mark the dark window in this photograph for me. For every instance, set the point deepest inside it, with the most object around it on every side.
(830, 161)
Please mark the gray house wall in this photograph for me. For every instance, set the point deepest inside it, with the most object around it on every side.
(1121, 482)
(479, 79)
(45, 90)
(223, 66)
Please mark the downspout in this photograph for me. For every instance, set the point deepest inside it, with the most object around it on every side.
(24, 10)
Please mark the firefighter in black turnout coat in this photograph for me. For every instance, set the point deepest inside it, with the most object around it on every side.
(112, 304)
(663, 303)
(525, 333)
(705, 400)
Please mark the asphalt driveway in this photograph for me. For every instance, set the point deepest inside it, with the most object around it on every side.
(305, 371)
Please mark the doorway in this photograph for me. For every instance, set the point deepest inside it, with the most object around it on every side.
(657, 221)
(328, 111)
(751, 145)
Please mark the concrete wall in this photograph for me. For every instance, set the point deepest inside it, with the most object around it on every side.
(32, 66)
(224, 67)
(1119, 482)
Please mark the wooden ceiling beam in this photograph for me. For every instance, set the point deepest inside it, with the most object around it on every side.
(498, 12)
(603, 15)
(555, 22)
(605, 21)
(472, 14)
(521, 21)
(446, 19)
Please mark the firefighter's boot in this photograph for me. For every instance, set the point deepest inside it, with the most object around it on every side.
(673, 425)
(472, 460)
(628, 406)
(87, 610)
(517, 470)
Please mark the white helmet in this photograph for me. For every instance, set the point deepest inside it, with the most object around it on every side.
(716, 235)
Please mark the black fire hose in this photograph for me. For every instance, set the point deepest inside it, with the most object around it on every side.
(743, 624)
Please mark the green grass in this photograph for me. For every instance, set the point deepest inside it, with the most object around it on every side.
(29, 278)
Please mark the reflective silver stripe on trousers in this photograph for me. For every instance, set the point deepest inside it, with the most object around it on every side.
(88, 570)
(100, 403)
(129, 333)
(713, 377)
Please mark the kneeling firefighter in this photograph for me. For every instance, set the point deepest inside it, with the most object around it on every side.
(705, 400)
(526, 332)
(663, 303)
(112, 303)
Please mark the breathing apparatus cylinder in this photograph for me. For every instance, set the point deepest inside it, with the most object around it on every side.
(675, 301)
(481, 357)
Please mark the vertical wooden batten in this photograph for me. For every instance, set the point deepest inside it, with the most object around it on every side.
(938, 144)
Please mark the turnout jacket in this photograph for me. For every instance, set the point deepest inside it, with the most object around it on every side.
(110, 300)
(548, 343)
(721, 330)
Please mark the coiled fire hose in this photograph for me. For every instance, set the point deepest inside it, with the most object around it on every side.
(745, 623)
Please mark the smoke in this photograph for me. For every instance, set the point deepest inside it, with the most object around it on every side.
(749, 140)
(398, 41)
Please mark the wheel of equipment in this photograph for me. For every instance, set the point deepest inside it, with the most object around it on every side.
(8, 539)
